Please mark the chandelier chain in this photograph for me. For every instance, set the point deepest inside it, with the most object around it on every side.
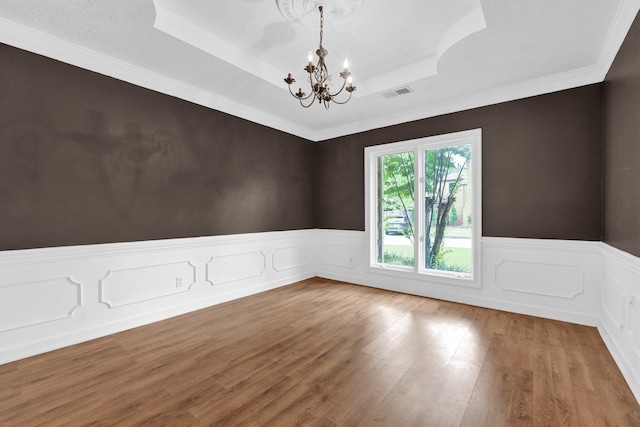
(321, 26)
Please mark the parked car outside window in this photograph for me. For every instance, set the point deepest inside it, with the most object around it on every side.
(396, 224)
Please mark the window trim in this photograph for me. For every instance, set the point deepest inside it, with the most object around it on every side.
(418, 146)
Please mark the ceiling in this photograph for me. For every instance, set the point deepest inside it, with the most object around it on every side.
(233, 55)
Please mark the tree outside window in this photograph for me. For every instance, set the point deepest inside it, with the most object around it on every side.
(422, 205)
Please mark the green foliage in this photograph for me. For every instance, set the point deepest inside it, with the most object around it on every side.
(453, 216)
(398, 187)
(396, 258)
(439, 163)
(442, 176)
(445, 264)
(398, 182)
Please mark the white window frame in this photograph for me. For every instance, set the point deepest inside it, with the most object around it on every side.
(418, 146)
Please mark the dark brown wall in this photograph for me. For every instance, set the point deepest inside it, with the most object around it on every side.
(541, 169)
(622, 147)
(89, 159)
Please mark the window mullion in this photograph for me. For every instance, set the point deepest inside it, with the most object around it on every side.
(379, 214)
(418, 211)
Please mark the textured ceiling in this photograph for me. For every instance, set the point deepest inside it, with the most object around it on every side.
(233, 55)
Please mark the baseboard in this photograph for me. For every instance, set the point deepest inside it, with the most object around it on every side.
(618, 353)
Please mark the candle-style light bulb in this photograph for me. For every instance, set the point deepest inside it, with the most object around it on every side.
(350, 79)
(346, 64)
(310, 57)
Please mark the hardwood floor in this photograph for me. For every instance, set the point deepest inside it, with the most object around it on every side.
(324, 353)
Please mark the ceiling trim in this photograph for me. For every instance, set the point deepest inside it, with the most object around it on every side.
(27, 38)
(175, 25)
(186, 31)
(622, 21)
(562, 81)
(465, 26)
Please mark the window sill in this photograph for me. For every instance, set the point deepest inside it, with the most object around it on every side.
(430, 277)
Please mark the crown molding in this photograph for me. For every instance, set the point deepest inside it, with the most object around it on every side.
(423, 68)
(581, 77)
(31, 40)
(186, 31)
(27, 38)
(622, 21)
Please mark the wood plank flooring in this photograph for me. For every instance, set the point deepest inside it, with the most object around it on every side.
(325, 353)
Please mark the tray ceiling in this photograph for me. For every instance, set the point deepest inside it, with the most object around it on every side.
(233, 56)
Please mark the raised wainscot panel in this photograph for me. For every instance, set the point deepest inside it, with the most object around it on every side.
(614, 302)
(231, 268)
(137, 284)
(633, 326)
(31, 303)
(560, 281)
(291, 257)
(341, 256)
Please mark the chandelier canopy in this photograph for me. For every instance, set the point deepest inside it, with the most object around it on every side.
(319, 78)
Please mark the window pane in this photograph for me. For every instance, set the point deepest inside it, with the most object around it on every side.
(395, 194)
(448, 210)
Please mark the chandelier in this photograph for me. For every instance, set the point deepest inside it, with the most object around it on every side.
(319, 78)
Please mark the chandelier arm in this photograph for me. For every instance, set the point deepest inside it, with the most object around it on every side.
(309, 104)
(344, 102)
(344, 83)
(310, 81)
(291, 92)
(297, 97)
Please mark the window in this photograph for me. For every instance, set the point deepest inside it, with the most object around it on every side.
(423, 207)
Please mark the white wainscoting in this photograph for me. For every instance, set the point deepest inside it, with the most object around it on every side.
(57, 298)
(232, 268)
(556, 279)
(588, 283)
(620, 321)
(547, 278)
(146, 282)
(53, 297)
